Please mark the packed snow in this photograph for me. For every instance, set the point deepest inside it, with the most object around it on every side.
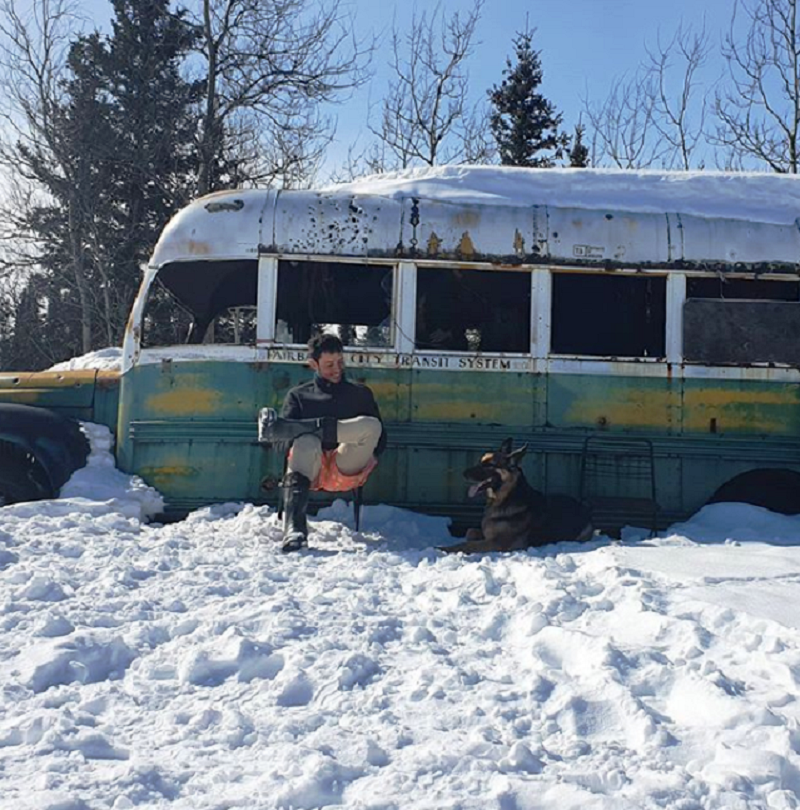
(194, 666)
(749, 196)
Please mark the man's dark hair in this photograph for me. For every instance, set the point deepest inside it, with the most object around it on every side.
(324, 342)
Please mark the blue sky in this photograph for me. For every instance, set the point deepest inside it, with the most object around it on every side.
(584, 44)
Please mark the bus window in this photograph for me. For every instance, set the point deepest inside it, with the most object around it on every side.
(202, 302)
(473, 310)
(741, 321)
(352, 300)
(608, 315)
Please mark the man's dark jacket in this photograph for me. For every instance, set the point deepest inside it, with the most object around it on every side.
(344, 400)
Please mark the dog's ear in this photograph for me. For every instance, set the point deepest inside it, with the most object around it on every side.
(505, 447)
(517, 455)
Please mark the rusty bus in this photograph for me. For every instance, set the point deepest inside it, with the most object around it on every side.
(641, 332)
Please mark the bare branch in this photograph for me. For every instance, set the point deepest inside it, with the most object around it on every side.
(425, 116)
(277, 61)
(623, 125)
(679, 117)
(758, 116)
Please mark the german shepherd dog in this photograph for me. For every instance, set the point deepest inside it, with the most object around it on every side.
(516, 515)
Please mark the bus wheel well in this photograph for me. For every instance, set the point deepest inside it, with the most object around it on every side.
(775, 489)
(22, 477)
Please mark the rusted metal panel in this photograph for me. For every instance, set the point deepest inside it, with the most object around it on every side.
(224, 225)
(433, 218)
(336, 225)
(239, 224)
(433, 229)
(69, 392)
(86, 394)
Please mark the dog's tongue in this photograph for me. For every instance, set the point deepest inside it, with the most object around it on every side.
(475, 489)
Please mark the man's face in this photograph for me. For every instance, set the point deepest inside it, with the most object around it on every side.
(330, 366)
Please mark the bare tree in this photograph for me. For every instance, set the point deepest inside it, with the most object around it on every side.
(33, 54)
(623, 127)
(425, 116)
(759, 114)
(657, 117)
(33, 59)
(269, 66)
(373, 159)
(679, 116)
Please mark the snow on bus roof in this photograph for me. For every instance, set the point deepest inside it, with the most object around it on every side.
(753, 196)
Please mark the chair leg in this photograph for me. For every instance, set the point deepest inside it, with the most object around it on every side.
(357, 498)
(283, 484)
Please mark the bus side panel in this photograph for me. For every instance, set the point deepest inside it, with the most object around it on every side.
(734, 426)
(627, 403)
(746, 407)
(70, 393)
(455, 417)
(471, 398)
(106, 399)
(189, 429)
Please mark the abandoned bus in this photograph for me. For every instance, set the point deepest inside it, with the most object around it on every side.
(639, 331)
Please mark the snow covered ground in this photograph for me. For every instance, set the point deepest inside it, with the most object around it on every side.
(193, 666)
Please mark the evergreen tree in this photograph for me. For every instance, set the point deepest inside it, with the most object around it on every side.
(524, 123)
(71, 167)
(579, 153)
(154, 165)
(119, 163)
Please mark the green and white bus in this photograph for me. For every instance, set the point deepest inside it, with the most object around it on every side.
(639, 331)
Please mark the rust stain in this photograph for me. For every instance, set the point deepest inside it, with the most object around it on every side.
(519, 242)
(108, 379)
(434, 243)
(196, 248)
(465, 246)
(467, 218)
(166, 473)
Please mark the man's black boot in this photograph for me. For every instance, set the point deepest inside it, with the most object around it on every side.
(273, 428)
(295, 503)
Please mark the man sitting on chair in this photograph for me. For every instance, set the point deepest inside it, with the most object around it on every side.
(335, 432)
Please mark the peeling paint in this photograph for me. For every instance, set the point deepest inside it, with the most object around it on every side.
(629, 409)
(727, 398)
(186, 402)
